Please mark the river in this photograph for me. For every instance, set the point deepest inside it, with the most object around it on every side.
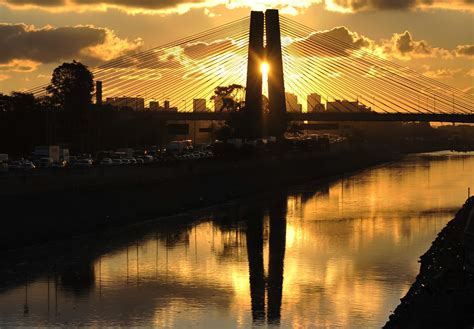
(339, 253)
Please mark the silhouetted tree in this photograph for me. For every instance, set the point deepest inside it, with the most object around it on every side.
(228, 95)
(71, 86)
(22, 102)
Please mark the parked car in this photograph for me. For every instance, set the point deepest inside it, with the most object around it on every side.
(106, 162)
(148, 159)
(83, 163)
(117, 161)
(59, 165)
(27, 165)
(45, 162)
(16, 165)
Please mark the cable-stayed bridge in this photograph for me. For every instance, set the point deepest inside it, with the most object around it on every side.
(273, 57)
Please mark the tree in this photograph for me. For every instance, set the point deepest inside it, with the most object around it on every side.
(22, 102)
(71, 86)
(229, 97)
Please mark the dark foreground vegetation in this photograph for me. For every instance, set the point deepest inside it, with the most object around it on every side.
(443, 293)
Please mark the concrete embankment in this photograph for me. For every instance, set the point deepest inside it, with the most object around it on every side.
(46, 207)
(443, 294)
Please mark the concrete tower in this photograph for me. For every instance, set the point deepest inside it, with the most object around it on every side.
(253, 93)
(276, 84)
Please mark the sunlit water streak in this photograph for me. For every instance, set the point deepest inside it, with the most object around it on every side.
(349, 254)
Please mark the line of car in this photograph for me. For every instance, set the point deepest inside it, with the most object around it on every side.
(26, 165)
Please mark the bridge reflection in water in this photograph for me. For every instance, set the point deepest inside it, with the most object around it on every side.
(271, 284)
(337, 254)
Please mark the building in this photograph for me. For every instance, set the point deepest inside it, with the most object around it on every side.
(154, 105)
(218, 103)
(347, 106)
(292, 103)
(135, 103)
(200, 132)
(314, 103)
(199, 105)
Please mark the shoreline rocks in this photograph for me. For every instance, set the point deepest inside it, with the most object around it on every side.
(443, 294)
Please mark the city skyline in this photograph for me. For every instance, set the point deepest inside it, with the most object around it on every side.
(96, 34)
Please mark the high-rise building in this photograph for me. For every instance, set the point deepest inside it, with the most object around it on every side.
(343, 106)
(199, 105)
(314, 103)
(291, 102)
(134, 103)
(154, 105)
(167, 105)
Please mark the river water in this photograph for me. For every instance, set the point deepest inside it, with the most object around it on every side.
(334, 254)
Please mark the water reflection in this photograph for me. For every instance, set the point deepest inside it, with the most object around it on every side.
(271, 285)
(338, 254)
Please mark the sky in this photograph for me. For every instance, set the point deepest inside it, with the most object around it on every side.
(433, 37)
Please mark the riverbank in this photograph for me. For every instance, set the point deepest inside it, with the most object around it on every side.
(44, 208)
(443, 294)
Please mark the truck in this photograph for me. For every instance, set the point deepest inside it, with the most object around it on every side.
(50, 151)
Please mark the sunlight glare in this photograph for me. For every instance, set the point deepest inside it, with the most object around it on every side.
(264, 67)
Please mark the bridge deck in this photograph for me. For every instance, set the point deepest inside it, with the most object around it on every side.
(318, 116)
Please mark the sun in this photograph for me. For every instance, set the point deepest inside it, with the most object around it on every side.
(264, 68)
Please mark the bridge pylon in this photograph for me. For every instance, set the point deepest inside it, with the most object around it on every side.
(253, 91)
(268, 23)
(276, 85)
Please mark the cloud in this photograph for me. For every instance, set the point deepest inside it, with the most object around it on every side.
(340, 40)
(403, 46)
(287, 6)
(200, 50)
(442, 73)
(19, 66)
(158, 59)
(49, 44)
(469, 90)
(128, 6)
(464, 50)
(351, 6)
(4, 77)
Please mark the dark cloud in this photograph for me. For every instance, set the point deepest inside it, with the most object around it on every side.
(169, 6)
(18, 41)
(44, 3)
(136, 4)
(48, 45)
(142, 4)
(465, 50)
(357, 5)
